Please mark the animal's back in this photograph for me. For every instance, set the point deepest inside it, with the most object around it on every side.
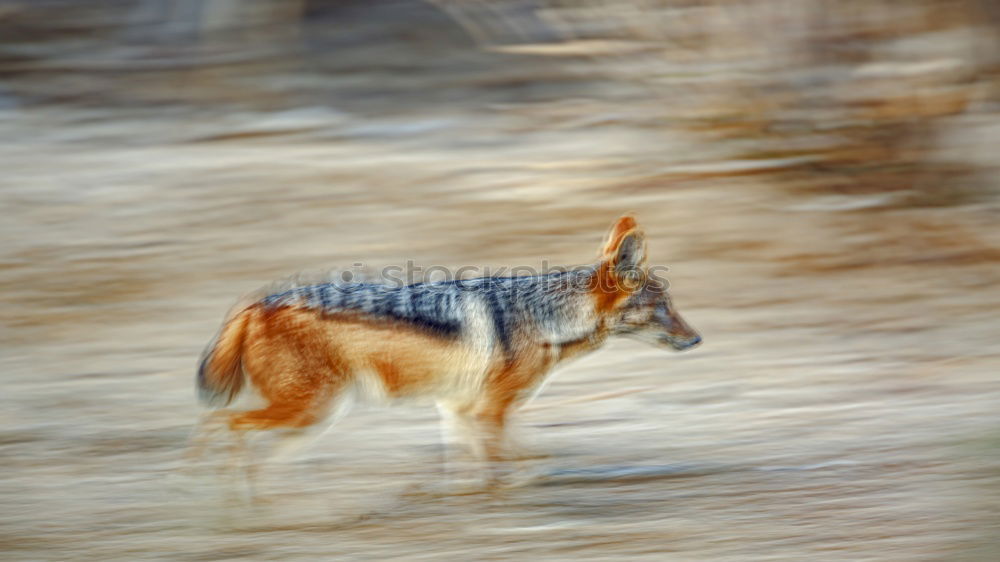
(432, 306)
(394, 341)
(512, 306)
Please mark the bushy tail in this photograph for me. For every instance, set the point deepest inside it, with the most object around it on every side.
(220, 373)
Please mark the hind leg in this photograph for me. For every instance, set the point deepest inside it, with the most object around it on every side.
(213, 431)
(210, 429)
(293, 418)
(210, 425)
(293, 440)
(294, 423)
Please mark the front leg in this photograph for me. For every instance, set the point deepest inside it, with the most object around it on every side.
(482, 426)
(511, 384)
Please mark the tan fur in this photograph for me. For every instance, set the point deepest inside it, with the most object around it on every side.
(299, 360)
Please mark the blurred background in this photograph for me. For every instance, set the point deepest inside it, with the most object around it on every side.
(820, 176)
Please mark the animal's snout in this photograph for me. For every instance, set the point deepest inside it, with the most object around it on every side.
(688, 343)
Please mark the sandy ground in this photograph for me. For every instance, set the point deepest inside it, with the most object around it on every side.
(844, 404)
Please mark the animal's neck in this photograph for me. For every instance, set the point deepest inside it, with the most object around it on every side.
(586, 344)
(563, 307)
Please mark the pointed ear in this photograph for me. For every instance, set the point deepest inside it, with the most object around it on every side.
(628, 259)
(625, 252)
(631, 253)
(622, 226)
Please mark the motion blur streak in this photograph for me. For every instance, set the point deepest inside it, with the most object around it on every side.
(820, 177)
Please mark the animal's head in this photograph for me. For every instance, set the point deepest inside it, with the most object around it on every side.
(634, 302)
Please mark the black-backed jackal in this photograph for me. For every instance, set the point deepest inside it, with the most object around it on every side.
(478, 347)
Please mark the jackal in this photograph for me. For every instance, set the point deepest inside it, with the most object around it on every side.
(478, 347)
